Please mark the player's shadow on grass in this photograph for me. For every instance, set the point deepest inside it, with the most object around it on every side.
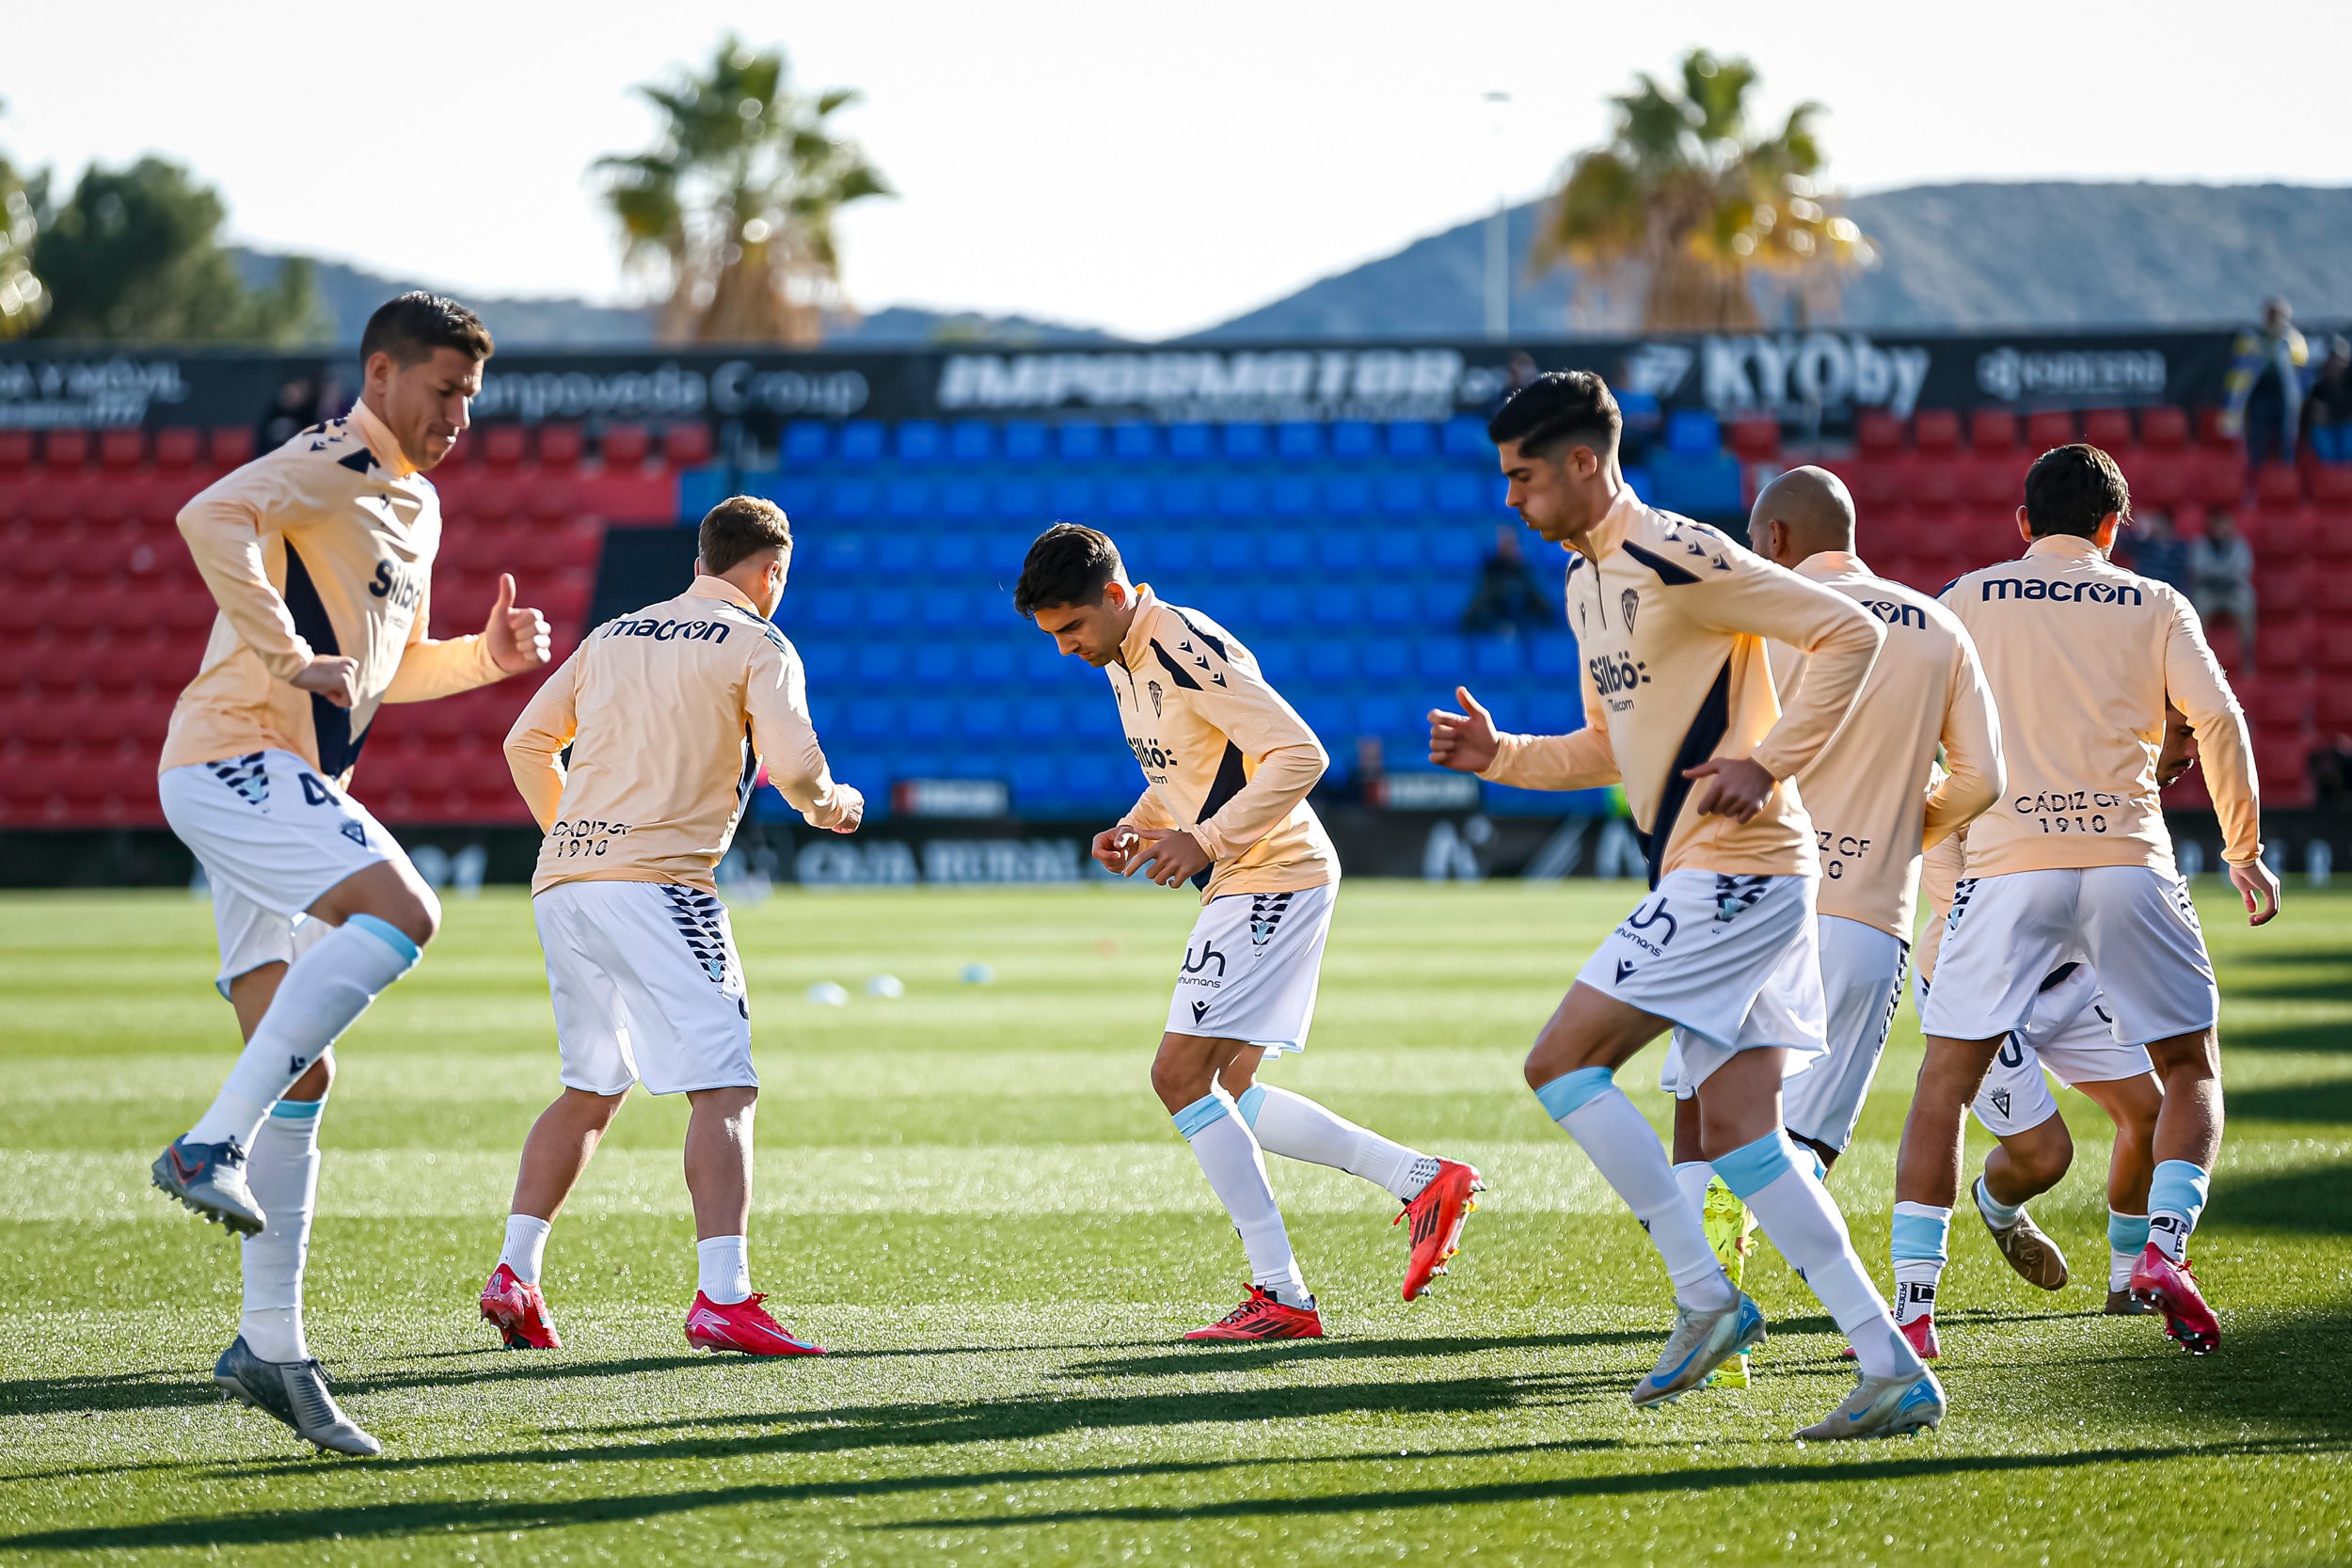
(1226, 1357)
(1624, 1483)
(74, 1394)
(2326, 1101)
(2311, 1200)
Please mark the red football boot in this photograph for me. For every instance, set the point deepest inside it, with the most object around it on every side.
(742, 1326)
(1919, 1331)
(1436, 1212)
(2174, 1291)
(1261, 1317)
(519, 1312)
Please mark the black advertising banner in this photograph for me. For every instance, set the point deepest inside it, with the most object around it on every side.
(1811, 381)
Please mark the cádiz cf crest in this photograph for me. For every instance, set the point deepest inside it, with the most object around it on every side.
(1629, 601)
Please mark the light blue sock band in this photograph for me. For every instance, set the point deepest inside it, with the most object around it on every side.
(1992, 1207)
(1920, 1238)
(2127, 1232)
(388, 934)
(1251, 1098)
(1202, 1112)
(1573, 1091)
(1752, 1167)
(2179, 1188)
(298, 1110)
(1821, 1169)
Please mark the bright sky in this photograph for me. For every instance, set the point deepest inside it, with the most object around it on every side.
(1151, 169)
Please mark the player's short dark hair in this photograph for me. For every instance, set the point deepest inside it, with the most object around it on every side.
(1558, 410)
(1070, 564)
(739, 528)
(411, 325)
(2072, 489)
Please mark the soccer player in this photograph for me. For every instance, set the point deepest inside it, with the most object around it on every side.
(320, 555)
(1673, 619)
(669, 715)
(2076, 864)
(1228, 766)
(1875, 801)
(2071, 1033)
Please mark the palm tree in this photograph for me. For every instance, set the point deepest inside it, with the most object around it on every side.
(733, 206)
(1688, 201)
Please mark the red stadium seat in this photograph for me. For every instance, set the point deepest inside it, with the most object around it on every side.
(65, 451)
(1752, 440)
(178, 447)
(2283, 763)
(231, 445)
(16, 452)
(2330, 482)
(2279, 484)
(2164, 429)
(2333, 704)
(121, 450)
(2333, 650)
(1935, 430)
(684, 446)
(502, 446)
(2287, 643)
(559, 446)
(1992, 432)
(2329, 592)
(2052, 427)
(2280, 532)
(2109, 429)
(624, 445)
(1878, 435)
(2279, 705)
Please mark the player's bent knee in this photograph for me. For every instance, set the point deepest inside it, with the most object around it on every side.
(2187, 1057)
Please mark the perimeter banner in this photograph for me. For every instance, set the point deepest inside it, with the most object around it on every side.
(1812, 381)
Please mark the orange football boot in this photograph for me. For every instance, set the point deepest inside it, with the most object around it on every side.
(1261, 1317)
(1436, 1212)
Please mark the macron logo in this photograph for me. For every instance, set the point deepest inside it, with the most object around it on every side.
(2063, 593)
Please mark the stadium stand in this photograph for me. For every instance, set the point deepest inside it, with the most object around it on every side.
(1343, 553)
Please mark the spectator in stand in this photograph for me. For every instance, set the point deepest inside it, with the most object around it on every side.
(2221, 578)
(2330, 762)
(294, 410)
(1509, 599)
(2156, 552)
(2327, 407)
(2265, 384)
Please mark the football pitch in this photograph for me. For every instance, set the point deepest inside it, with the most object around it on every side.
(971, 1195)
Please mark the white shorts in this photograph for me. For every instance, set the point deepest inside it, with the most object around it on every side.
(273, 836)
(2071, 1034)
(1862, 983)
(2005, 935)
(1733, 961)
(1251, 968)
(647, 988)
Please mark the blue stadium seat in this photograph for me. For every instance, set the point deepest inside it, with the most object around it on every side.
(1037, 780)
(1385, 658)
(800, 497)
(992, 658)
(1354, 440)
(1090, 776)
(1021, 499)
(972, 441)
(1127, 498)
(853, 498)
(1412, 439)
(806, 442)
(835, 607)
(1189, 443)
(1405, 493)
(1024, 441)
(824, 662)
(929, 717)
(946, 608)
(1337, 607)
(908, 498)
(1287, 550)
(1236, 498)
(1332, 719)
(1175, 553)
(1279, 607)
(1466, 437)
(873, 718)
(1081, 441)
(1183, 498)
(1073, 498)
(981, 718)
(1347, 495)
(1442, 603)
(1460, 492)
(1039, 719)
(699, 490)
(918, 441)
(1554, 654)
(1244, 443)
(892, 608)
(1331, 659)
(1456, 549)
(1495, 657)
(1392, 605)
(1134, 441)
(1279, 657)
(1003, 552)
(937, 660)
(962, 498)
(827, 713)
(1291, 496)
(1298, 441)
(842, 552)
(1694, 433)
(897, 554)
(860, 441)
(1385, 714)
(1341, 550)
(1042, 663)
(1397, 549)
(1233, 550)
(1444, 659)
(1556, 712)
(881, 662)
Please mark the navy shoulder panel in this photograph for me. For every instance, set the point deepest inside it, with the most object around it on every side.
(1167, 661)
(1668, 573)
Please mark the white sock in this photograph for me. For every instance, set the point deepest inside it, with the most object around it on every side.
(526, 1247)
(324, 992)
(1230, 1158)
(1690, 1180)
(2120, 1267)
(725, 1267)
(1802, 1220)
(284, 1171)
(1296, 1128)
(1614, 1136)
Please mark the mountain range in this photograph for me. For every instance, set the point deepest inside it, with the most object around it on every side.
(2048, 255)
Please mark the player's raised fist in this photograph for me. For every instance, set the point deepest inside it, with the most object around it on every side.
(331, 676)
(1465, 741)
(517, 638)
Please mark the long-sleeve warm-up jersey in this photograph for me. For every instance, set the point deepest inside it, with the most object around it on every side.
(324, 546)
(1223, 756)
(1672, 619)
(1869, 792)
(2082, 656)
(669, 714)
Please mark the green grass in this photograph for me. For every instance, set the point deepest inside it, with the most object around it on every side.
(973, 1197)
